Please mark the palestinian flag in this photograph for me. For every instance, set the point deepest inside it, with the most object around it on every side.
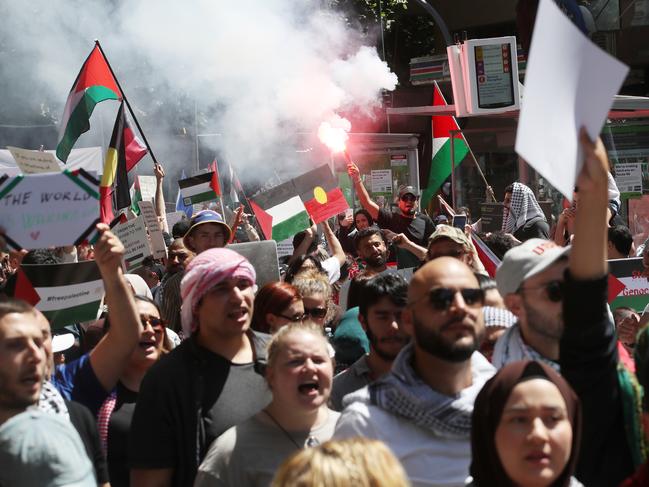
(64, 293)
(280, 212)
(113, 187)
(215, 178)
(198, 189)
(320, 193)
(627, 286)
(136, 196)
(440, 167)
(94, 84)
(489, 260)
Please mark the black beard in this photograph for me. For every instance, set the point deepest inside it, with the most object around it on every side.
(378, 261)
(388, 357)
(434, 343)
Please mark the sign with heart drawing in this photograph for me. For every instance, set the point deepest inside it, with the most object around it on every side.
(45, 210)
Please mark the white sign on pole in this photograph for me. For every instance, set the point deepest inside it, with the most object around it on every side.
(381, 180)
(135, 240)
(33, 161)
(45, 210)
(174, 217)
(569, 83)
(158, 246)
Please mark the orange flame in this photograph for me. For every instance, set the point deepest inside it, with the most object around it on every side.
(334, 134)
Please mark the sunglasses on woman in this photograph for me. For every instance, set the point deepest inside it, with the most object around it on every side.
(441, 298)
(315, 312)
(154, 322)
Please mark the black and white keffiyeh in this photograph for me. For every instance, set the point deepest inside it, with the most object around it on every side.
(51, 401)
(522, 209)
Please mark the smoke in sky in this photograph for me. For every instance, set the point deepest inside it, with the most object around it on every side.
(257, 72)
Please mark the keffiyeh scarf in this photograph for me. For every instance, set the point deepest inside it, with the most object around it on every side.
(403, 393)
(510, 347)
(522, 209)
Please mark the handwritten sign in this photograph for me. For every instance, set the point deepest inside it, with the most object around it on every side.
(135, 240)
(33, 161)
(44, 210)
(158, 246)
(174, 217)
(147, 185)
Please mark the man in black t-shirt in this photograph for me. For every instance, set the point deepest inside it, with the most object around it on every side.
(210, 382)
(417, 227)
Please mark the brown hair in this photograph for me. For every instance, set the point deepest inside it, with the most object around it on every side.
(360, 462)
(273, 298)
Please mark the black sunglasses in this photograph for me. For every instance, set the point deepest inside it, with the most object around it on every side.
(315, 312)
(294, 318)
(441, 298)
(409, 197)
(154, 322)
(553, 289)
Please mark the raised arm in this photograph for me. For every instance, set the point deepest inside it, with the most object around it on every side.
(301, 249)
(333, 242)
(160, 208)
(111, 354)
(363, 195)
(588, 254)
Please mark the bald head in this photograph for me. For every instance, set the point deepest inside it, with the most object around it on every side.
(438, 272)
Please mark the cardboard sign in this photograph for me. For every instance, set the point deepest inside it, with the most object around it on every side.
(263, 256)
(49, 210)
(135, 240)
(64, 293)
(33, 161)
(627, 286)
(158, 246)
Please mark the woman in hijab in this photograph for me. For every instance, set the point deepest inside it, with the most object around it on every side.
(526, 429)
(523, 216)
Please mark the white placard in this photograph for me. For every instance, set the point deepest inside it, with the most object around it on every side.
(147, 187)
(33, 161)
(628, 178)
(135, 240)
(285, 247)
(158, 246)
(45, 210)
(569, 83)
(381, 180)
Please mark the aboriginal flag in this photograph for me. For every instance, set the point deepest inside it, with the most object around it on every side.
(320, 193)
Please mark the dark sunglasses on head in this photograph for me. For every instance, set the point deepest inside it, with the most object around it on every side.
(441, 298)
(154, 322)
(553, 289)
(315, 312)
(409, 197)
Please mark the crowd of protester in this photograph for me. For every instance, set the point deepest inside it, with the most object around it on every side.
(348, 371)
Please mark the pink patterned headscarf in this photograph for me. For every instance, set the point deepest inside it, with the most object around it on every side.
(204, 272)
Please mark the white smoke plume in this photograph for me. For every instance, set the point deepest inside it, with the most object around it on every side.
(259, 71)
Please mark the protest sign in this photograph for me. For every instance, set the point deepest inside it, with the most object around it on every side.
(580, 80)
(133, 235)
(263, 257)
(147, 185)
(627, 286)
(64, 293)
(158, 246)
(45, 210)
(628, 178)
(33, 161)
(174, 217)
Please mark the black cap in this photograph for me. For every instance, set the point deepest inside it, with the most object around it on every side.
(403, 190)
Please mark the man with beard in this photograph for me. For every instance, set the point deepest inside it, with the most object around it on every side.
(382, 300)
(422, 408)
(530, 279)
(371, 248)
(168, 296)
(417, 227)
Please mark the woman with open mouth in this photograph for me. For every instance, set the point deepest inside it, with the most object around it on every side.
(299, 374)
(115, 415)
(526, 429)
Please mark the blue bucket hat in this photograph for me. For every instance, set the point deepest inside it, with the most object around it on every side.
(207, 216)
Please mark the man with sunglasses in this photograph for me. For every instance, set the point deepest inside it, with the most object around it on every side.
(422, 408)
(416, 226)
(529, 279)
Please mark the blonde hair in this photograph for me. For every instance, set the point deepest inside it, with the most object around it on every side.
(277, 341)
(360, 462)
(312, 282)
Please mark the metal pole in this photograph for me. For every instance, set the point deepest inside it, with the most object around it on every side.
(198, 166)
(453, 172)
(439, 21)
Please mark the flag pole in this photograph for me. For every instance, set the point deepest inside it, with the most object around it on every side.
(128, 105)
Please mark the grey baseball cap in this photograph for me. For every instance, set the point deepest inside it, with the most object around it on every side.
(527, 260)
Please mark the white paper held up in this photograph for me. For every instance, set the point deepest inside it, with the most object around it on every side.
(569, 83)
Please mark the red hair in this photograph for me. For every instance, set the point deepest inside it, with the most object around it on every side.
(273, 298)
